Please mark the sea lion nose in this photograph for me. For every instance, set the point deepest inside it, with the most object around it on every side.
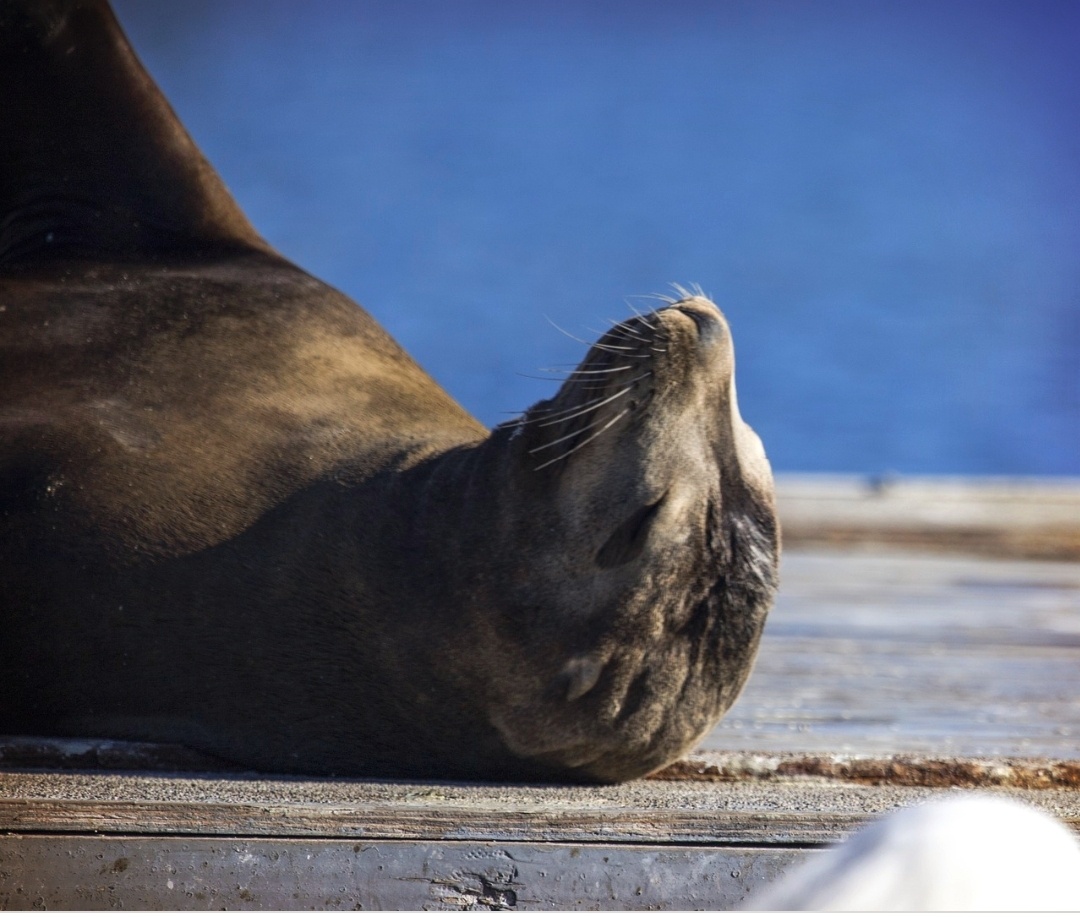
(711, 325)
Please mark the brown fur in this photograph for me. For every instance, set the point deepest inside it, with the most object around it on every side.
(235, 514)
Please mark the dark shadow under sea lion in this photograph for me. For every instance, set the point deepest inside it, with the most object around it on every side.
(235, 514)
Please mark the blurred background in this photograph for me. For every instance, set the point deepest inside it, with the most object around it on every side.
(883, 197)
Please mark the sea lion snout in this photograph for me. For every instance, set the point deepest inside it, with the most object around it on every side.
(706, 316)
(696, 327)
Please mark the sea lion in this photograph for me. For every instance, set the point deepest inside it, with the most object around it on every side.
(235, 514)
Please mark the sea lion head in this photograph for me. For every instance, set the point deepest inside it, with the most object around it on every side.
(649, 550)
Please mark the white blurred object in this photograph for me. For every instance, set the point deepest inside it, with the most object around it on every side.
(962, 853)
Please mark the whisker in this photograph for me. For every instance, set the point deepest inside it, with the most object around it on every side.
(544, 378)
(682, 291)
(695, 291)
(584, 442)
(597, 345)
(562, 367)
(551, 418)
(552, 412)
(564, 438)
(590, 406)
(634, 342)
(593, 372)
(640, 315)
(613, 346)
(570, 373)
(626, 329)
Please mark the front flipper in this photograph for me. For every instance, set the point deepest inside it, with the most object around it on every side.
(93, 160)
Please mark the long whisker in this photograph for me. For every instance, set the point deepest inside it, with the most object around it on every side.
(640, 315)
(661, 297)
(624, 328)
(545, 378)
(584, 442)
(562, 367)
(611, 348)
(548, 414)
(571, 373)
(564, 438)
(593, 372)
(634, 342)
(695, 291)
(590, 406)
(550, 418)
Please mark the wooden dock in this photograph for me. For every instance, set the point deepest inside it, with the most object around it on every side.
(926, 640)
(995, 517)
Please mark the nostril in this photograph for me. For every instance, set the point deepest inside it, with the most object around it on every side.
(708, 320)
(702, 321)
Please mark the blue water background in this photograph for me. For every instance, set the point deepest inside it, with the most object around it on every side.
(884, 197)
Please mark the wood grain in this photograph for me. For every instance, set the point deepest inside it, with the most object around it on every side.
(901, 653)
(241, 874)
(1017, 517)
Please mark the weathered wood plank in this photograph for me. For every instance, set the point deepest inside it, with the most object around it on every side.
(871, 770)
(1022, 517)
(913, 653)
(435, 822)
(240, 874)
(747, 811)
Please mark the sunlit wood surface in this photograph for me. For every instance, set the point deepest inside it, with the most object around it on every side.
(896, 652)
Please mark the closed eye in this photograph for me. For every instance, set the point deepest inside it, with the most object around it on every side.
(628, 540)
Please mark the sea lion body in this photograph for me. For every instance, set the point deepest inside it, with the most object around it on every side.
(235, 514)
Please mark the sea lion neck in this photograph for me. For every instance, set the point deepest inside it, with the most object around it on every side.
(95, 161)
